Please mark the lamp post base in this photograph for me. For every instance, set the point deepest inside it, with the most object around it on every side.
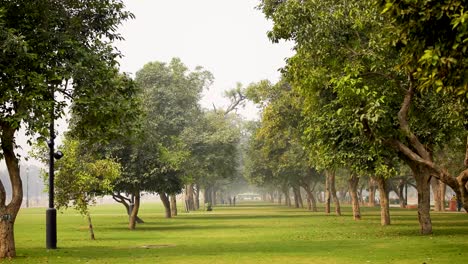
(51, 228)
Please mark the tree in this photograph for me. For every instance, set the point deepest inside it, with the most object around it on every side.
(49, 47)
(431, 40)
(170, 95)
(81, 178)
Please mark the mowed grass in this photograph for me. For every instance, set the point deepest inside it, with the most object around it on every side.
(247, 233)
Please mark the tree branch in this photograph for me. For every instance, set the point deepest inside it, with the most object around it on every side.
(436, 171)
(404, 126)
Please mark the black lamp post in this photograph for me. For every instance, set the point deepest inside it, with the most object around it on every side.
(51, 213)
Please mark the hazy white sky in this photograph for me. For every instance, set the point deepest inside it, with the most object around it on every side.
(226, 37)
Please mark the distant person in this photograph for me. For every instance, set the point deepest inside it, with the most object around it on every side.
(230, 201)
(234, 201)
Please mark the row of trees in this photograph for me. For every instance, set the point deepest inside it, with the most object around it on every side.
(373, 86)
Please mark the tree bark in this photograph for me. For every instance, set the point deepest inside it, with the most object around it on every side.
(197, 197)
(384, 204)
(189, 197)
(7, 239)
(173, 205)
(166, 203)
(90, 224)
(371, 192)
(353, 182)
(9, 212)
(297, 197)
(400, 193)
(331, 176)
(327, 193)
(134, 215)
(422, 177)
(443, 189)
(436, 192)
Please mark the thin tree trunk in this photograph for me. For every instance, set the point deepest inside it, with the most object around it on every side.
(213, 196)
(173, 205)
(90, 224)
(384, 204)
(401, 196)
(297, 197)
(189, 197)
(443, 189)
(166, 203)
(280, 197)
(371, 192)
(327, 193)
(197, 197)
(333, 193)
(353, 182)
(436, 192)
(134, 214)
(287, 199)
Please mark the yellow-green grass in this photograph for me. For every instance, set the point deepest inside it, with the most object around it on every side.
(248, 233)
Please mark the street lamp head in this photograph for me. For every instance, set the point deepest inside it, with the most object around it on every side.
(58, 155)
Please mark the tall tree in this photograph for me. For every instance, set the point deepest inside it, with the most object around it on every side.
(49, 46)
(170, 96)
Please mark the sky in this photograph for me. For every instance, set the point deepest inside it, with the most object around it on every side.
(226, 37)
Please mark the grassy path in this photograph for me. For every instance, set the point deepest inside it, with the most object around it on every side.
(248, 233)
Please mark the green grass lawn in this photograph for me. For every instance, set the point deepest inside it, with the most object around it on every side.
(248, 233)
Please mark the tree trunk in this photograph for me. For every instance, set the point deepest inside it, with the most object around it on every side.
(166, 203)
(371, 192)
(134, 214)
(297, 197)
(189, 197)
(436, 192)
(311, 202)
(90, 224)
(280, 197)
(401, 196)
(126, 202)
(287, 199)
(7, 240)
(208, 195)
(213, 196)
(422, 177)
(331, 176)
(173, 205)
(197, 197)
(443, 189)
(327, 193)
(9, 212)
(384, 204)
(353, 182)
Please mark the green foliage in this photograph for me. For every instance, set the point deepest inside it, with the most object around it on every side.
(432, 38)
(47, 45)
(80, 178)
